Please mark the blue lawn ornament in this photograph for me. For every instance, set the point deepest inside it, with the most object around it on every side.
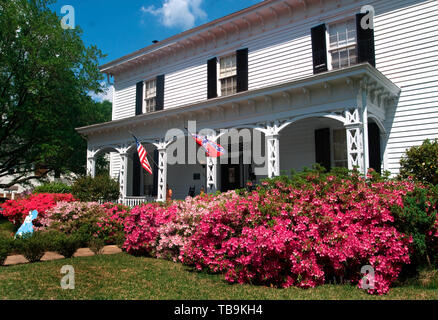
(27, 226)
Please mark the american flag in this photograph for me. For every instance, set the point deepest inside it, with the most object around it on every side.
(142, 155)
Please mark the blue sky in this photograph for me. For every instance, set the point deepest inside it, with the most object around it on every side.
(121, 27)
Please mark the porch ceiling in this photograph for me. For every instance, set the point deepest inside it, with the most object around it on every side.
(355, 78)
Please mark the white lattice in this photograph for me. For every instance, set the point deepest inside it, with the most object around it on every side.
(352, 117)
(124, 174)
(273, 153)
(211, 174)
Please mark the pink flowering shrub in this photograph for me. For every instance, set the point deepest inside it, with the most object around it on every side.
(142, 225)
(111, 225)
(283, 234)
(69, 217)
(17, 210)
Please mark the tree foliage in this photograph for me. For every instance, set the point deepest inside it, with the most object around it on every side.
(421, 162)
(45, 74)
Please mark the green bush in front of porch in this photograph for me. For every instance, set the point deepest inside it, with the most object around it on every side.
(101, 188)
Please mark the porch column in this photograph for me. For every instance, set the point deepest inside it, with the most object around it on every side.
(124, 157)
(91, 166)
(211, 175)
(273, 155)
(162, 172)
(355, 150)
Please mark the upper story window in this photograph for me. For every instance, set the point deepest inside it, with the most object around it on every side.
(342, 44)
(228, 75)
(150, 94)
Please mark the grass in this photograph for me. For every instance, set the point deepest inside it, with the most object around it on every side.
(122, 276)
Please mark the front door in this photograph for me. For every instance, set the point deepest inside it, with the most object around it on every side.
(230, 177)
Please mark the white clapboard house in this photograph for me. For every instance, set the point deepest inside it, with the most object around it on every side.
(304, 75)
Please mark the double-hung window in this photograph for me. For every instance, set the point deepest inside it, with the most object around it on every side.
(150, 94)
(343, 44)
(340, 148)
(228, 75)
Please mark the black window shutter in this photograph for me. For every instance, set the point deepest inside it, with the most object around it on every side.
(319, 49)
(365, 42)
(159, 99)
(136, 172)
(242, 69)
(139, 98)
(155, 174)
(374, 147)
(322, 148)
(212, 78)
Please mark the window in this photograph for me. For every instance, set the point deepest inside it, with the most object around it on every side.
(150, 94)
(340, 148)
(228, 75)
(343, 44)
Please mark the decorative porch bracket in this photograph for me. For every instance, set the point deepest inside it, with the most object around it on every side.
(162, 170)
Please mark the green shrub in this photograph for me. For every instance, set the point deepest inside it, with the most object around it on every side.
(67, 245)
(417, 218)
(33, 246)
(5, 248)
(96, 245)
(421, 162)
(100, 188)
(53, 187)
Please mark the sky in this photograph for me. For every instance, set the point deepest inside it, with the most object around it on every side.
(120, 27)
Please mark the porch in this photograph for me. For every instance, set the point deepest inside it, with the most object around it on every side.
(337, 118)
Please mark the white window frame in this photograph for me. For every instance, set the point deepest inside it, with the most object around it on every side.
(327, 35)
(145, 97)
(219, 78)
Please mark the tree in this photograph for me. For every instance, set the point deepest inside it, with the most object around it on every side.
(45, 74)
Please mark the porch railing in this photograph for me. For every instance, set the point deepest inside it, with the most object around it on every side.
(135, 201)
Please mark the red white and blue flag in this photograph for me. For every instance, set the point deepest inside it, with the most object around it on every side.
(142, 154)
(212, 149)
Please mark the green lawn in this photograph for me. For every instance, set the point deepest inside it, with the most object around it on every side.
(122, 276)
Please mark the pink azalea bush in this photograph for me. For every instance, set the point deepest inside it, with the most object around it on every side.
(17, 210)
(111, 225)
(282, 234)
(68, 217)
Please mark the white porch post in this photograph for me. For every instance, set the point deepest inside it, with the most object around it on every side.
(124, 174)
(355, 150)
(364, 119)
(211, 175)
(162, 170)
(272, 132)
(273, 155)
(91, 166)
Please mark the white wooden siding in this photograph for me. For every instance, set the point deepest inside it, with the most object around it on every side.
(406, 41)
